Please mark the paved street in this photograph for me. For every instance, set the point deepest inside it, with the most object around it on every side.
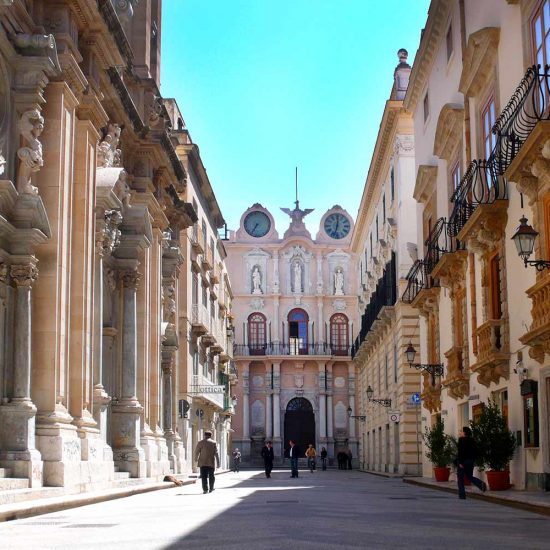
(331, 509)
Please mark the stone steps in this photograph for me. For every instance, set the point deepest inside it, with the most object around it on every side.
(11, 483)
(21, 495)
(121, 475)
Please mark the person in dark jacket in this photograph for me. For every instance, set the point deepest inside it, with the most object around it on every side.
(269, 457)
(467, 454)
(324, 455)
(293, 452)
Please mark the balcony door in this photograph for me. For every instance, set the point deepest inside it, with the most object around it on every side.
(339, 334)
(257, 334)
(298, 321)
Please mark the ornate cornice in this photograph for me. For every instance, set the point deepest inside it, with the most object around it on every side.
(433, 33)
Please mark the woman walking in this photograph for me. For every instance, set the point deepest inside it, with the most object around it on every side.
(324, 457)
(467, 454)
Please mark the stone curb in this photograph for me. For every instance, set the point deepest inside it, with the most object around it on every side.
(543, 509)
(37, 507)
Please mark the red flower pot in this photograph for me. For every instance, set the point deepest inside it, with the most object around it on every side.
(442, 473)
(498, 481)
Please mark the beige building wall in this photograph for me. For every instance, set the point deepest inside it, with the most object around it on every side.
(470, 286)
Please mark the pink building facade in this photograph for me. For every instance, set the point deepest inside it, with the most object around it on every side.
(295, 317)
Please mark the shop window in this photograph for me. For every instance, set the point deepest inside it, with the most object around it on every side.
(529, 394)
(488, 118)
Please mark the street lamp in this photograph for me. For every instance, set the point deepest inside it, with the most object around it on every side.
(384, 402)
(435, 369)
(524, 239)
(360, 417)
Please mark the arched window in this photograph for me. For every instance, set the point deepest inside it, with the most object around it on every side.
(256, 334)
(339, 334)
(297, 332)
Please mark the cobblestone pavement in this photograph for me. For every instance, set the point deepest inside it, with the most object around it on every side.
(323, 510)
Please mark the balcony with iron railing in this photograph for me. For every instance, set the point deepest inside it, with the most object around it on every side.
(295, 346)
(200, 319)
(204, 389)
(445, 257)
(384, 296)
(420, 284)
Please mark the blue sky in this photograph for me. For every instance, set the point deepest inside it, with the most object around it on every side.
(267, 85)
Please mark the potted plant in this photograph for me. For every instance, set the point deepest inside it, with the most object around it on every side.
(441, 449)
(496, 445)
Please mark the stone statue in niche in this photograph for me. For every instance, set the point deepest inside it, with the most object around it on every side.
(122, 189)
(297, 277)
(256, 281)
(339, 282)
(108, 154)
(31, 126)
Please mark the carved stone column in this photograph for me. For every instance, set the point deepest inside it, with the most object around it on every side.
(276, 403)
(330, 416)
(18, 417)
(351, 397)
(167, 406)
(107, 238)
(268, 403)
(322, 403)
(128, 454)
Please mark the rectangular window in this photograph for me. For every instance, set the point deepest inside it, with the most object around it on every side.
(196, 363)
(488, 118)
(426, 104)
(386, 370)
(395, 363)
(392, 183)
(377, 227)
(456, 176)
(540, 33)
(204, 296)
(384, 207)
(204, 235)
(195, 289)
(371, 245)
(449, 41)
(529, 394)
(495, 296)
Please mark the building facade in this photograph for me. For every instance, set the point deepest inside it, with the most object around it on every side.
(95, 213)
(480, 114)
(384, 242)
(295, 312)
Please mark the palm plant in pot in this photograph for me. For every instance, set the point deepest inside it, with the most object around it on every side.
(496, 445)
(441, 449)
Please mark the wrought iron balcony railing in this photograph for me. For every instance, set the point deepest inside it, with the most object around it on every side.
(293, 347)
(441, 240)
(483, 183)
(529, 104)
(417, 280)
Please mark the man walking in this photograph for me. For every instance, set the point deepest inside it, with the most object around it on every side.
(311, 454)
(467, 454)
(236, 460)
(268, 455)
(206, 456)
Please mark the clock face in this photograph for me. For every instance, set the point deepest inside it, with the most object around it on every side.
(257, 224)
(337, 225)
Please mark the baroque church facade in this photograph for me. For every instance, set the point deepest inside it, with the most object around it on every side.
(294, 310)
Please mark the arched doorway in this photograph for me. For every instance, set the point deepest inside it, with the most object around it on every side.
(300, 423)
(298, 321)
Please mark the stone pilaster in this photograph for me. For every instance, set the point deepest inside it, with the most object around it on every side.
(322, 403)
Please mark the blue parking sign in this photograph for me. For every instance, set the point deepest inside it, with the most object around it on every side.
(415, 398)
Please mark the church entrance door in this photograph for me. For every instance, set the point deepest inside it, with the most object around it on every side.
(300, 423)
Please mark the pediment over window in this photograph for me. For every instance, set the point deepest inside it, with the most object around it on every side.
(449, 130)
(425, 183)
(480, 58)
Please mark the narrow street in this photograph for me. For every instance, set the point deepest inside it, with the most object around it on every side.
(334, 509)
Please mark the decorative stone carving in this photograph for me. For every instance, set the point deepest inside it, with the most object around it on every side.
(108, 234)
(256, 281)
(33, 44)
(297, 285)
(404, 144)
(257, 304)
(155, 111)
(130, 278)
(24, 274)
(169, 303)
(339, 282)
(31, 126)
(339, 305)
(108, 153)
(4, 273)
(297, 225)
(299, 380)
(257, 381)
(110, 279)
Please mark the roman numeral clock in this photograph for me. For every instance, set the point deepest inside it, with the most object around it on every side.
(337, 225)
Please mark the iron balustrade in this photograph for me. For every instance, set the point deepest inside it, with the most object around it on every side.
(441, 240)
(529, 105)
(291, 348)
(384, 295)
(483, 183)
(417, 279)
